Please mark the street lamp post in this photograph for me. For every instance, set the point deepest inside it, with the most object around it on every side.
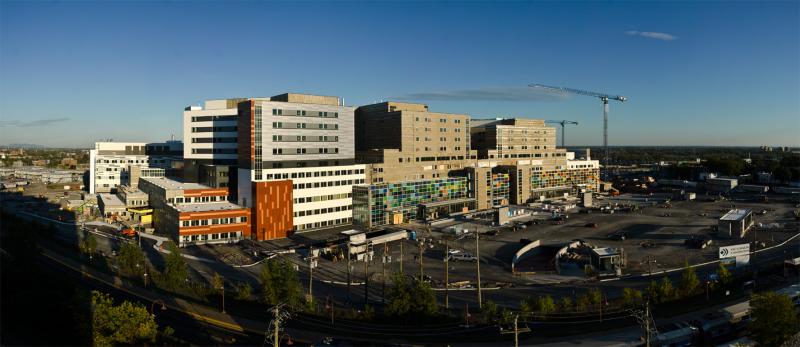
(222, 289)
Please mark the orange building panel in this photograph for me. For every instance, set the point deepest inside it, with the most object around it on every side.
(205, 192)
(272, 209)
(218, 228)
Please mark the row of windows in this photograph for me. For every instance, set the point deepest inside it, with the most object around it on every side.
(206, 237)
(131, 161)
(327, 184)
(303, 113)
(197, 199)
(213, 140)
(317, 211)
(213, 221)
(322, 198)
(213, 118)
(315, 126)
(291, 151)
(213, 129)
(298, 138)
(327, 223)
(315, 174)
(441, 120)
(214, 151)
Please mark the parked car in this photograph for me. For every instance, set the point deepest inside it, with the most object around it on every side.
(461, 256)
(519, 225)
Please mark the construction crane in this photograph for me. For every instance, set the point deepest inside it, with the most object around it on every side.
(563, 125)
(603, 97)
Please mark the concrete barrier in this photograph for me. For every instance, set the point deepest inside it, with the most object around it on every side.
(521, 253)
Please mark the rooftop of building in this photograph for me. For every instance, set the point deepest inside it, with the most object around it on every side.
(171, 184)
(111, 200)
(606, 251)
(207, 207)
(736, 214)
(499, 121)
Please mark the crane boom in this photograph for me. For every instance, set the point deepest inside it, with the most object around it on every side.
(563, 125)
(564, 90)
(603, 97)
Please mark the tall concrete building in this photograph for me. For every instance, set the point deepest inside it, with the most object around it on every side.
(210, 138)
(427, 165)
(296, 166)
(405, 141)
(112, 164)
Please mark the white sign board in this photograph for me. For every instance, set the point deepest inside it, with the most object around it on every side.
(734, 251)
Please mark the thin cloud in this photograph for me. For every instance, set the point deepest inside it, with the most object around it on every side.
(484, 94)
(33, 123)
(652, 35)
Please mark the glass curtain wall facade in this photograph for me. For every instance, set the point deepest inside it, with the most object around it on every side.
(375, 204)
(564, 179)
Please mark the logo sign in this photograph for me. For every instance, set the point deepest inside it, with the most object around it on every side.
(734, 251)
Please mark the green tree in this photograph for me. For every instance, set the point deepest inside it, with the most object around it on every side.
(175, 270)
(124, 324)
(280, 284)
(666, 291)
(525, 308)
(424, 302)
(269, 292)
(547, 305)
(652, 291)
(689, 280)
(216, 283)
(566, 304)
(595, 297)
(583, 303)
(243, 291)
(774, 318)
(131, 260)
(398, 297)
(724, 274)
(506, 316)
(631, 297)
(489, 310)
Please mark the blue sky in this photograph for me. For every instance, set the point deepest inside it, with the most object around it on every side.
(709, 73)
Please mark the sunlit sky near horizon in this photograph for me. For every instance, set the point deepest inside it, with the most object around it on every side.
(695, 73)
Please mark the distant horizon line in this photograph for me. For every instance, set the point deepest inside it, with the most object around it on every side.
(792, 147)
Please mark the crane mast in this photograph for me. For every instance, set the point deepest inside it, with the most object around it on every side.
(603, 97)
(563, 124)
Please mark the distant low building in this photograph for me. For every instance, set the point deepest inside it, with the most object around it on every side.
(735, 223)
(192, 213)
(721, 185)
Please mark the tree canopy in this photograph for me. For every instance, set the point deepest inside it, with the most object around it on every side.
(124, 324)
(774, 318)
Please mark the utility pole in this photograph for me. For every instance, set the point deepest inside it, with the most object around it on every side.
(516, 331)
(401, 256)
(646, 322)
(348, 271)
(366, 276)
(383, 289)
(420, 244)
(277, 332)
(446, 275)
(478, 262)
(310, 273)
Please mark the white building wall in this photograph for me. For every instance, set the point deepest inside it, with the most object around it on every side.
(311, 192)
(191, 135)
